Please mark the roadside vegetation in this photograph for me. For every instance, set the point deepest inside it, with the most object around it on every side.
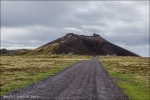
(131, 74)
(19, 71)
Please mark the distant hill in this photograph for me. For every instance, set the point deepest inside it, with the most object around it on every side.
(75, 44)
(14, 52)
(83, 45)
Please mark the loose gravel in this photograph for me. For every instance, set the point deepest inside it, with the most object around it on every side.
(85, 80)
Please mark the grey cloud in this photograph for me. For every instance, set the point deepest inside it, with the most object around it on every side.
(36, 13)
(129, 40)
(108, 11)
(124, 22)
(28, 34)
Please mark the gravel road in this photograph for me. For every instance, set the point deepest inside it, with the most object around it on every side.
(85, 80)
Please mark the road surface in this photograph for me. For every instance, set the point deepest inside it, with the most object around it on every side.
(85, 80)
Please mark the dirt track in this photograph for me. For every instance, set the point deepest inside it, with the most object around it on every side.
(86, 80)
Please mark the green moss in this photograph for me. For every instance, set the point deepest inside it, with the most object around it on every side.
(20, 71)
(43, 51)
(19, 82)
(34, 52)
(135, 89)
(22, 52)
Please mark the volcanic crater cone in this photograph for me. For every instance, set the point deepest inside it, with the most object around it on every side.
(84, 45)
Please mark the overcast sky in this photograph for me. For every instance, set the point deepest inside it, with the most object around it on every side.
(30, 24)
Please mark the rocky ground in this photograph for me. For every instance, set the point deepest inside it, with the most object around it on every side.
(85, 80)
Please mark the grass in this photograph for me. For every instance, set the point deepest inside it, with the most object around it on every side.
(40, 51)
(131, 74)
(20, 71)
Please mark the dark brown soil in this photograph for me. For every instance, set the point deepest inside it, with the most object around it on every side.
(86, 80)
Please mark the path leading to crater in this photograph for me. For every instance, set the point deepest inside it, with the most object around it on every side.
(85, 80)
